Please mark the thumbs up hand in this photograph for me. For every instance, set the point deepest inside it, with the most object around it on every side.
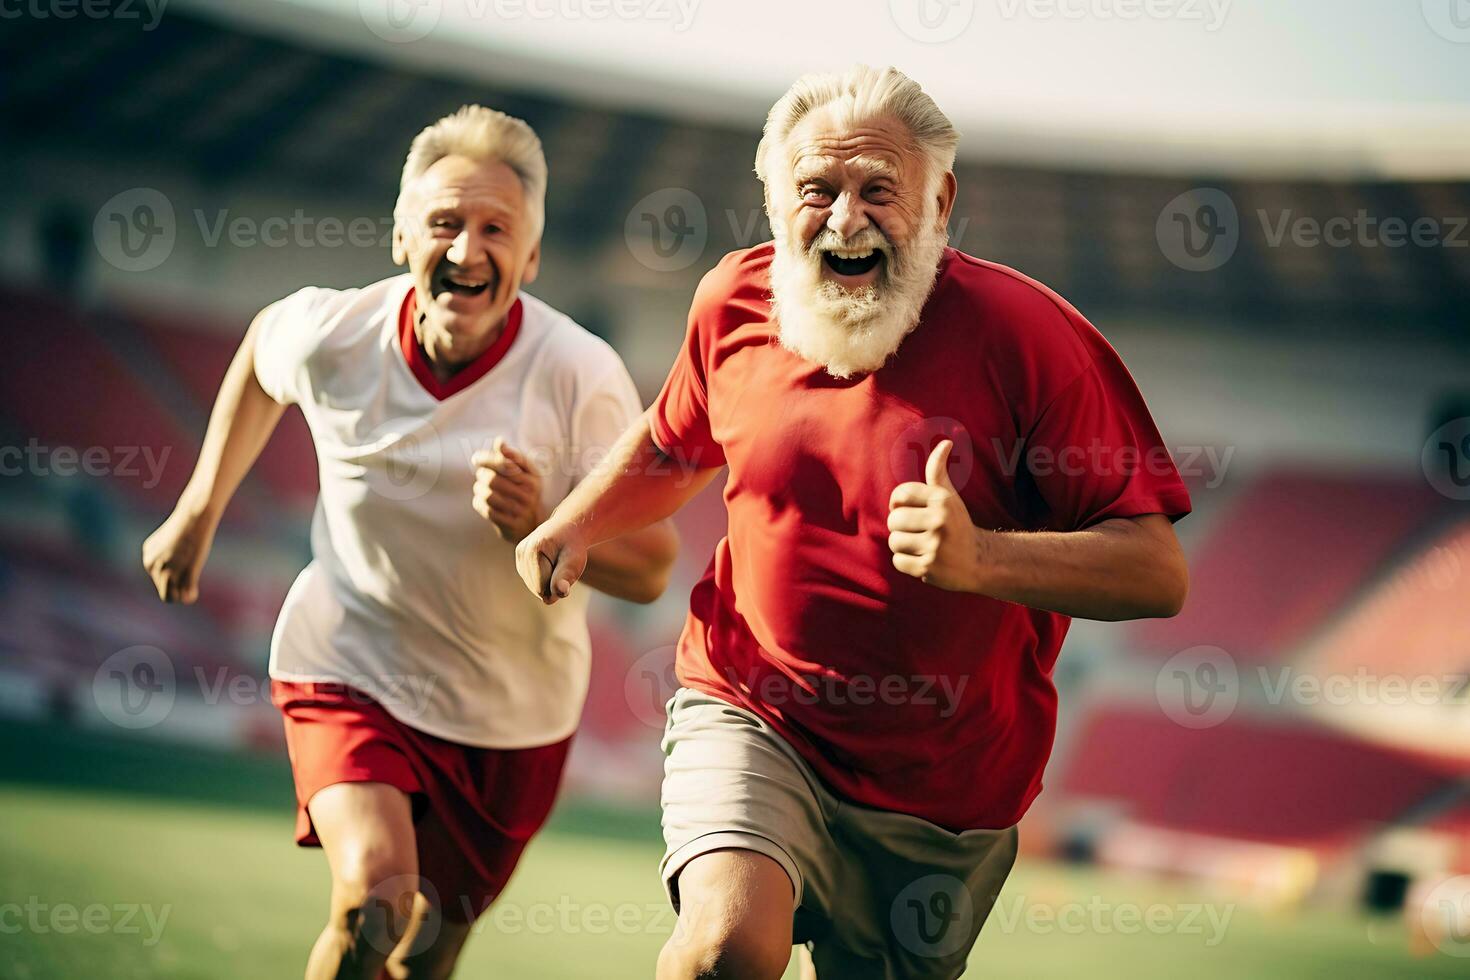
(929, 530)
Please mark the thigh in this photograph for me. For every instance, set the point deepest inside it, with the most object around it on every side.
(367, 832)
(733, 787)
(734, 917)
(736, 891)
(917, 895)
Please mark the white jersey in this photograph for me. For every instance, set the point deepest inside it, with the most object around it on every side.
(411, 597)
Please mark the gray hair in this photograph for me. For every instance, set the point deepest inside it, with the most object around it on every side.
(862, 93)
(483, 134)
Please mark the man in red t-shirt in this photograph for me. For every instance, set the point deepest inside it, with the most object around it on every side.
(934, 463)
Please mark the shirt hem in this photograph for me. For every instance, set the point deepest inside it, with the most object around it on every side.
(446, 733)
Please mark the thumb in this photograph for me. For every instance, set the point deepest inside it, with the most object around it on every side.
(936, 470)
(558, 577)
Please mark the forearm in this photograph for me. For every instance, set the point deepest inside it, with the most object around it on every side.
(240, 424)
(1127, 568)
(635, 566)
(634, 487)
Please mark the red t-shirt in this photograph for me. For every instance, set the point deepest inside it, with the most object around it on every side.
(901, 695)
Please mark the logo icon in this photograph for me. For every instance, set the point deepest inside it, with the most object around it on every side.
(400, 21)
(1445, 916)
(1199, 230)
(911, 452)
(1446, 459)
(667, 230)
(649, 684)
(1198, 687)
(134, 688)
(388, 913)
(403, 459)
(933, 916)
(1450, 19)
(135, 230)
(932, 21)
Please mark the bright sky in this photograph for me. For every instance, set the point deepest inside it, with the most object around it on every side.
(1318, 86)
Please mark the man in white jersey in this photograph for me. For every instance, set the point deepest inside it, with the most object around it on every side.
(429, 700)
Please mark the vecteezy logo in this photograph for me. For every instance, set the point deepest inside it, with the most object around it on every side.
(648, 685)
(1445, 916)
(667, 230)
(1446, 459)
(932, 21)
(134, 688)
(1450, 19)
(1198, 687)
(1199, 230)
(403, 458)
(910, 454)
(389, 910)
(400, 21)
(933, 916)
(135, 230)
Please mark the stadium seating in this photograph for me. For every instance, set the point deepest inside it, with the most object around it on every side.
(1292, 548)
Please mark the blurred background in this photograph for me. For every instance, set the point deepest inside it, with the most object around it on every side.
(1263, 206)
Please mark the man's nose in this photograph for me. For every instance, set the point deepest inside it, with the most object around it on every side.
(848, 216)
(466, 248)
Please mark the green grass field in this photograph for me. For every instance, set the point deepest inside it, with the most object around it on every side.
(124, 858)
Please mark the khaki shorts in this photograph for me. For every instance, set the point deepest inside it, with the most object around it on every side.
(879, 894)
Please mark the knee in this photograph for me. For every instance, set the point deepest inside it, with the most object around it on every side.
(373, 891)
(727, 952)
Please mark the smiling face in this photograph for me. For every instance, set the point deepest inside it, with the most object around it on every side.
(466, 234)
(859, 226)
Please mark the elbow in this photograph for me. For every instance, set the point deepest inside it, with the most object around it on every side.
(649, 586)
(1172, 590)
(648, 589)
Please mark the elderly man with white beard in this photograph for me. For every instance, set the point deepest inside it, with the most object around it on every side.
(934, 464)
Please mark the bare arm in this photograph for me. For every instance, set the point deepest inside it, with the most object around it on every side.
(634, 566)
(1124, 568)
(241, 423)
(634, 487)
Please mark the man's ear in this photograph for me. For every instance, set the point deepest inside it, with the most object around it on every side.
(400, 245)
(949, 189)
(533, 264)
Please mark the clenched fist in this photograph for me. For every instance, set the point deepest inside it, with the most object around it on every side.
(507, 490)
(929, 530)
(551, 560)
(174, 555)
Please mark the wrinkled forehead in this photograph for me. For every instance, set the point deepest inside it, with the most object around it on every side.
(827, 142)
(461, 183)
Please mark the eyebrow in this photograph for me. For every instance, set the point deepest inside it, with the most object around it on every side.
(869, 166)
(456, 210)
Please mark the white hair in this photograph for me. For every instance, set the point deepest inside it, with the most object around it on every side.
(483, 134)
(862, 94)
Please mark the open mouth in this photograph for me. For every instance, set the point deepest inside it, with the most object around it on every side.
(460, 284)
(850, 263)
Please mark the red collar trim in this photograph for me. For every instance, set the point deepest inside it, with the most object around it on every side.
(418, 361)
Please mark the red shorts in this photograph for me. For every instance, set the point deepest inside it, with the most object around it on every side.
(477, 808)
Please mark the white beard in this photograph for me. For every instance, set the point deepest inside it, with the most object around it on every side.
(852, 332)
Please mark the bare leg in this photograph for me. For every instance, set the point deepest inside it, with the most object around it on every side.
(366, 830)
(431, 946)
(735, 912)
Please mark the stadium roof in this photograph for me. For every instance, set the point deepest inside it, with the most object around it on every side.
(1321, 87)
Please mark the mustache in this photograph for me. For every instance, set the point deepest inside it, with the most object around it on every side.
(869, 238)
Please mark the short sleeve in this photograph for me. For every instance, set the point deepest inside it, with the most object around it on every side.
(286, 332)
(680, 414)
(1095, 452)
(600, 417)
